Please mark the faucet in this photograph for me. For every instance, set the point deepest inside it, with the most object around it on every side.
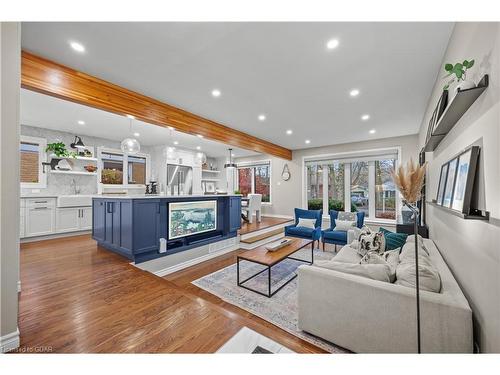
(76, 189)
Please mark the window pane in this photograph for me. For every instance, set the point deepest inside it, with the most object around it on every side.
(263, 182)
(314, 187)
(359, 186)
(29, 162)
(112, 171)
(385, 191)
(336, 186)
(245, 181)
(136, 170)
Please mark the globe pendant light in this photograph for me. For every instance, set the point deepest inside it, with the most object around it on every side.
(130, 146)
(230, 164)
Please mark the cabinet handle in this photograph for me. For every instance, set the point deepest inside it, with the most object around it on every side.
(40, 201)
(41, 208)
(79, 213)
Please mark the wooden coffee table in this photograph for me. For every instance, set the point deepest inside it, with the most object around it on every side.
(269, 259)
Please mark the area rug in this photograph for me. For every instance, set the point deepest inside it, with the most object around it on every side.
(281, 309)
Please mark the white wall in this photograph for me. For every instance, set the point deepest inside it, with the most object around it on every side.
(10, 53)
(471, 248)
(286, 195)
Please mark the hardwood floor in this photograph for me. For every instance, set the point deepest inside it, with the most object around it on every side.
(77, 297)
(266, 222)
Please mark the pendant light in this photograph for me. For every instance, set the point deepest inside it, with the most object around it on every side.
(130, 146)
(230, 164)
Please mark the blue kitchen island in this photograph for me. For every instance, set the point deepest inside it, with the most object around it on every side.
(134, 226)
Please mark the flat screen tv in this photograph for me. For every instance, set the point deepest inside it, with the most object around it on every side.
(188, 218)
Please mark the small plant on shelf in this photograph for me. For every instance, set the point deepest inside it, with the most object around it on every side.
(237, 192)
(458, 72)
(59, 150)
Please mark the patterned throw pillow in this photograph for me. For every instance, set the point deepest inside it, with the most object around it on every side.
(371, 242)
(393, 240)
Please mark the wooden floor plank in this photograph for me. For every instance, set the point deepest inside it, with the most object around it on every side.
(79, 298)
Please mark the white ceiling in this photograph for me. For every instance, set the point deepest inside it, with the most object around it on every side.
(51, 113)
(281, 69)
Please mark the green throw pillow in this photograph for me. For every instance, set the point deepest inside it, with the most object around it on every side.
(393, 240)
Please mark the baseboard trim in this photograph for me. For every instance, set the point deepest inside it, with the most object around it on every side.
(54, 236)
(279, 216)
(192, 262)
(9, 341)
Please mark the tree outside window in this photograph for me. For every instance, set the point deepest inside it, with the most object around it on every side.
(255, 180)
(385, 191)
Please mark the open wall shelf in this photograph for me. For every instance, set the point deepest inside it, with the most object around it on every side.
(462, 101)
(476, 215)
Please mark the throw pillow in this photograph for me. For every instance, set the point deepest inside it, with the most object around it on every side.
(346, 216)
(307, 223)
(429, 278)
(379, 272)
(344, 225)
(408, 252)
(393, 240)
(371, 242)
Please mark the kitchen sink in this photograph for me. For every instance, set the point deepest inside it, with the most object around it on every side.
(74, 200)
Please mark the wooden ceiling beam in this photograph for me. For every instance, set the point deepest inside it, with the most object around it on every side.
(48, 77)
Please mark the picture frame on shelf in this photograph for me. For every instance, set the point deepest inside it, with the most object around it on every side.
(442, 182)
(466, 172)
(436, 114)
(208, 187)
(456, 181)
(450, 183)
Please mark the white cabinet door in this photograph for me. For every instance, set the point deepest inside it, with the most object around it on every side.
(39, 221)
(68, 219)
(85, 218)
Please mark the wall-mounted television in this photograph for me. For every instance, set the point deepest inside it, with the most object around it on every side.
(188, 218)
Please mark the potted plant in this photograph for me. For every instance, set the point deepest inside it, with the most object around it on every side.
(458, 72)
(59, 150)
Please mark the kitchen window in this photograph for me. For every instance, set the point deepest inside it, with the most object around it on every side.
(255, 178)
(32, 155)
(119, 169)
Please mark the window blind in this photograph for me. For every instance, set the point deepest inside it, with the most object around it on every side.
(352, 157)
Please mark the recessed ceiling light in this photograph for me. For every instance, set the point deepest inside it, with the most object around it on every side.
(289, 132)
(81, 122)
(137, 134)
(176, 143)
(198, 147)
(262, 117)
(332, 44)
(354, 92)
(216, 93)
(171, 128)
(308, 141)
(130, 117)
(372, 131)
(199, 136)
(365, 117)
(78, 47)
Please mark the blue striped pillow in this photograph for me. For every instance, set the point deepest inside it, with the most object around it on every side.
(393, 240)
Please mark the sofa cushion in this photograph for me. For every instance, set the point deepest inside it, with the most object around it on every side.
(347, 255)
(408, 252)
(300, 231)
(393, 240)
(306, 223)
(411, 239)
(344, 225)
(335, 235)
(429, 278)
(379, 272)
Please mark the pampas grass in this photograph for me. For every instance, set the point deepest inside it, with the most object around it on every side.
(410, 180)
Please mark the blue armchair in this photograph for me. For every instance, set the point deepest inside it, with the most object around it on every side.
(339, 237)
(303, 232)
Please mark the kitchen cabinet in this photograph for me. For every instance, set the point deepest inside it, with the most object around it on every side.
(40, 217)
(234, 213)
(72, 219)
